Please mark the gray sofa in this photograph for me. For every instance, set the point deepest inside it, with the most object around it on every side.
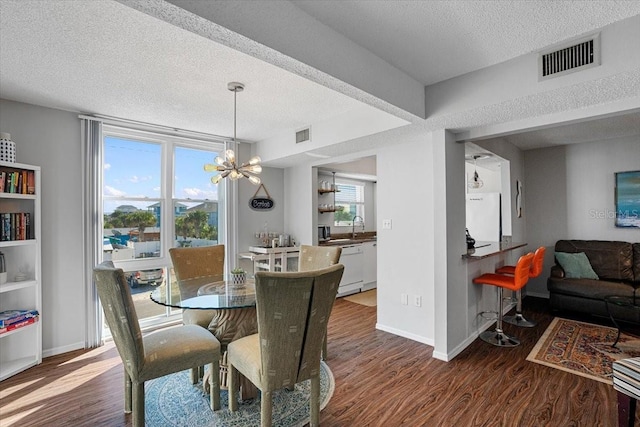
(617, 265)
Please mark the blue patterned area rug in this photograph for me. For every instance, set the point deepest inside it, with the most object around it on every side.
(173, 401)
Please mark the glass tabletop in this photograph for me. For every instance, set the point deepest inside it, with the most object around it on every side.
(205, 293)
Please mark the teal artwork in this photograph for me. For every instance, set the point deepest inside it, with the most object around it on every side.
(628, 199)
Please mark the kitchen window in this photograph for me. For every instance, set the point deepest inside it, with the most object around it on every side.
(349, 203)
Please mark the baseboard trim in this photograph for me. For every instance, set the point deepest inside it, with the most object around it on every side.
(59, 350)
(405, 334)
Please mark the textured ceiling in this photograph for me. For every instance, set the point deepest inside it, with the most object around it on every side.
(436, 40)
(103, 57)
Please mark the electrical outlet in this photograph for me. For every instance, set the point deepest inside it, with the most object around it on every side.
(386, 224)
(404, 299)
(417, 300)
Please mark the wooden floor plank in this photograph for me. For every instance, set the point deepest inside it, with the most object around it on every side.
(381, 380)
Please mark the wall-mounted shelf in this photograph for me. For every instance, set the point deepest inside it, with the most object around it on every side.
(337, 209)
(324, 191)
(328, 204)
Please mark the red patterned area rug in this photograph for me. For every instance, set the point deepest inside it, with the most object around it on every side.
(583, 348)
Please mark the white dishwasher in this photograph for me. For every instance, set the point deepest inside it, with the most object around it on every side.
(352, 258)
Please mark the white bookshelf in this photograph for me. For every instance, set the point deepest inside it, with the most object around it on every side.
(21, 348)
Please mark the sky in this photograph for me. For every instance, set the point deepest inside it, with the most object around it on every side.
(133, 169)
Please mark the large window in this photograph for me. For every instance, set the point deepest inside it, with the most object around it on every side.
(156, 195)
(350, 203)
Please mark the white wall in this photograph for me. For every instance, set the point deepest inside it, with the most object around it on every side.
(300, 184)
(406, 251)
(51, 138)
(251, 221)
(569, 194)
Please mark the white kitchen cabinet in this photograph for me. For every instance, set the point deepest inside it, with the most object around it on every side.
(370, 265)
(21, 286)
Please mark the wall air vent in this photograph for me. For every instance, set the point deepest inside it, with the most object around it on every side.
(568, 59)
(303, 135)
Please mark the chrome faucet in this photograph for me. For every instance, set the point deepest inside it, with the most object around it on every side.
(353, 225)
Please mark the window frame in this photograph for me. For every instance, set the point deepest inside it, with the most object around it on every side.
(360, 205)
(167, 198)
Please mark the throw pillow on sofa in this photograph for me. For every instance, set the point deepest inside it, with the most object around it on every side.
(576, 265)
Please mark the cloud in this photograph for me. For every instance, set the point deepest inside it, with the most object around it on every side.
(107, 166)
(135, 179)
(198, 193)
(110, 191)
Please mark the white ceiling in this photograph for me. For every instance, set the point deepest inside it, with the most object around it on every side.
(103, 57)
(437, 40)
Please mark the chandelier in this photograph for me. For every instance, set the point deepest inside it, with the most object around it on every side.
(228, 166)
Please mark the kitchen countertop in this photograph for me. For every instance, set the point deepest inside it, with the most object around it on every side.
(341, 241)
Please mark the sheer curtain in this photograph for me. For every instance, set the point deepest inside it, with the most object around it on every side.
(92, 159)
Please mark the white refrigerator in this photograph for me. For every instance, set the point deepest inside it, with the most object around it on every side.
(483, 217)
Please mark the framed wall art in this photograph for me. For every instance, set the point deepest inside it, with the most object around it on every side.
(627, 196)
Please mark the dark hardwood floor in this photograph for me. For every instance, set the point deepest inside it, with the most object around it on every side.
(381, 380)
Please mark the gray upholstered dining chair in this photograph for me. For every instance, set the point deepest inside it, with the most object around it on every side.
(315, 258)
(157, 354)
(189, 263)
(293, 310)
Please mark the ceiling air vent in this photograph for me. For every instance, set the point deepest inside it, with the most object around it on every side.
(303, 135)
(576, 57)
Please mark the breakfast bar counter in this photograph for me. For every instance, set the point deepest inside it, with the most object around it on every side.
(488, 249)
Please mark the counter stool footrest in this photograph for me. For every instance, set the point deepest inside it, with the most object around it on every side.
(489, 315)
(499, 338)
(519, 320)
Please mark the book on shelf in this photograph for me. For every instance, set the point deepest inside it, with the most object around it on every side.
(10, 317)
(15, 226)
(20, 324)
(20, 182)
(31, 182)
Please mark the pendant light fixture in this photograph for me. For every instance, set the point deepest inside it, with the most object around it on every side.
(228, 166)
(475, 181)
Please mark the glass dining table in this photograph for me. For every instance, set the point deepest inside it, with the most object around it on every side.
(233, 310)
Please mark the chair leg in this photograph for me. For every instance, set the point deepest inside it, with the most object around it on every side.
(324, 347)
(232, 387)
(265, 409)
(214, 385)
(193, 376)
(127, 392)
(626, 410)
(518, 319)
(138, 404)
(497, 337)
(314, 402)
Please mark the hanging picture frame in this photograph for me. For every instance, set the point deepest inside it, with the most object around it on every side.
(627, 199)
(261, 203)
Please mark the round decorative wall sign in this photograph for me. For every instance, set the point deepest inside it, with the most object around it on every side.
(261, 203)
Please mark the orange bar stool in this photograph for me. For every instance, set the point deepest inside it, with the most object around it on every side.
(536, 269)
(521, 275)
